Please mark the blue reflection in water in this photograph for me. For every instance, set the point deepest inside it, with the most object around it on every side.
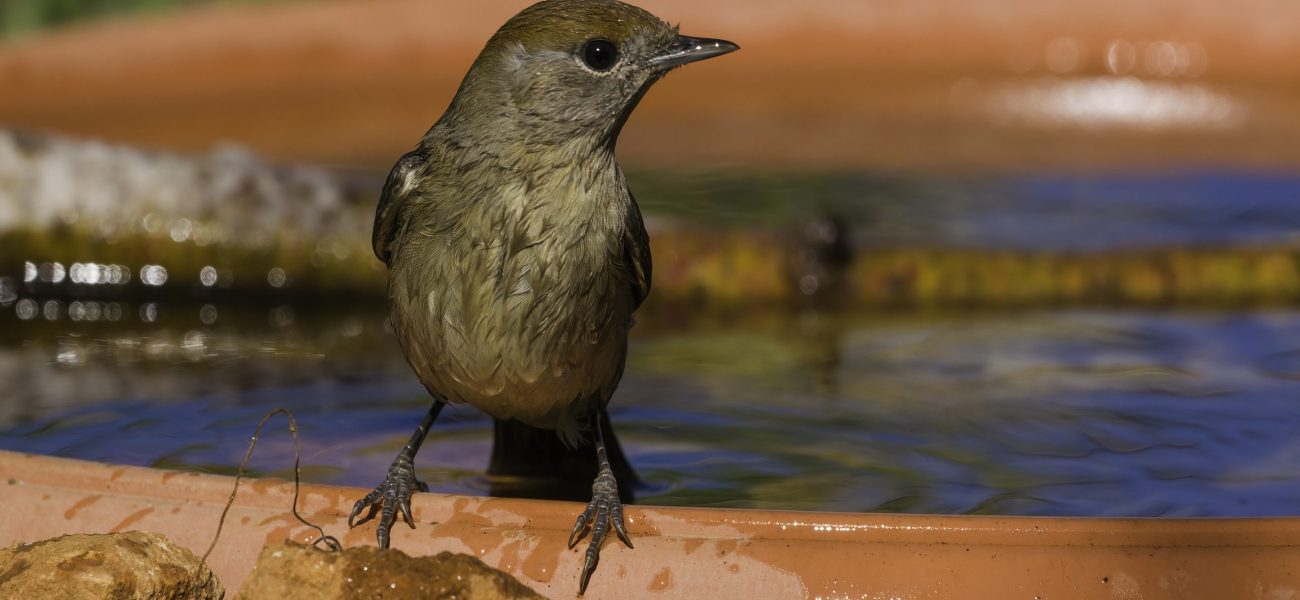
(1035, 211)
(1150, 210)
(1048, 413)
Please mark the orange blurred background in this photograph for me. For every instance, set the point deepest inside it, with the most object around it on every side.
(820, 84)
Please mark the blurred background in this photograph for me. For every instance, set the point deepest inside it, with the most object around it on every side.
(1013, 257)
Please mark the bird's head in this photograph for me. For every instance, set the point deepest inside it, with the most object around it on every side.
(570, 69)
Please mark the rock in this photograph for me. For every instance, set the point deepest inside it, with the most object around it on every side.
(118, 566)
(289, 570)
(226, 196)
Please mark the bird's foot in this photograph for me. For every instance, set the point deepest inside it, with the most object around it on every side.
(603, 512)
(392, 495)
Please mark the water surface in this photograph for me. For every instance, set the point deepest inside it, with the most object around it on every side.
(1050, 412)
(1079, 412)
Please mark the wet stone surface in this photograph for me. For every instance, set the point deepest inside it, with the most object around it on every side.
(289, 570)
(118, 566)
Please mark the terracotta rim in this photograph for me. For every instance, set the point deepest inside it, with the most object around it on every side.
(686, 552)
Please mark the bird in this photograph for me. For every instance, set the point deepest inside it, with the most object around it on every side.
(516, 254)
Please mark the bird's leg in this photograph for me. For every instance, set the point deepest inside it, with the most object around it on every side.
(395, 492)
(604, 511)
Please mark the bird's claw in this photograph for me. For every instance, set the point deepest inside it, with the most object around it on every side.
(389, 498)
(603, 512)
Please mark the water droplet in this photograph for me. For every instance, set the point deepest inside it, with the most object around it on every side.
(194, 344)
(351, 327)
(1161, 59)
(124, 274)
(154, 275)
(151, 223)
(149, 312)
(180, 230)
(281, 316)
(1120, 57)
(26, 309)
(1063, 55)
(277, 277)
(808, 284)
(52, 272)
(87, 274)
(8, 290)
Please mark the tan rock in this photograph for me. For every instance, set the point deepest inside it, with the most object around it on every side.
(288, 570)
(118, 566)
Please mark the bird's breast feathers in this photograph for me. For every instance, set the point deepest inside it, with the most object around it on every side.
(521, 307)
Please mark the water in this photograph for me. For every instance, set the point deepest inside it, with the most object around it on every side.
(1050, 412)
(1075, 412)
(1033, 212)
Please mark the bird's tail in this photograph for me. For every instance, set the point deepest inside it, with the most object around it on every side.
(528, 462)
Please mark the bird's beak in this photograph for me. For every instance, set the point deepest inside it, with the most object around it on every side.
(690, 49)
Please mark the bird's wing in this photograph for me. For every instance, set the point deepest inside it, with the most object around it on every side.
(400, 181)
(636, 250)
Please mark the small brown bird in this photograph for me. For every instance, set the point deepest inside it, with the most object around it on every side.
(516, 253)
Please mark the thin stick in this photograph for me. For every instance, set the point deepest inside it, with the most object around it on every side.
(329, 540)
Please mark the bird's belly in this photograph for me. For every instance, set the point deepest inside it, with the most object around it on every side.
(541, 354)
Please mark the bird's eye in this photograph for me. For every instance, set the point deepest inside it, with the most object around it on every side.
(600, 54)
